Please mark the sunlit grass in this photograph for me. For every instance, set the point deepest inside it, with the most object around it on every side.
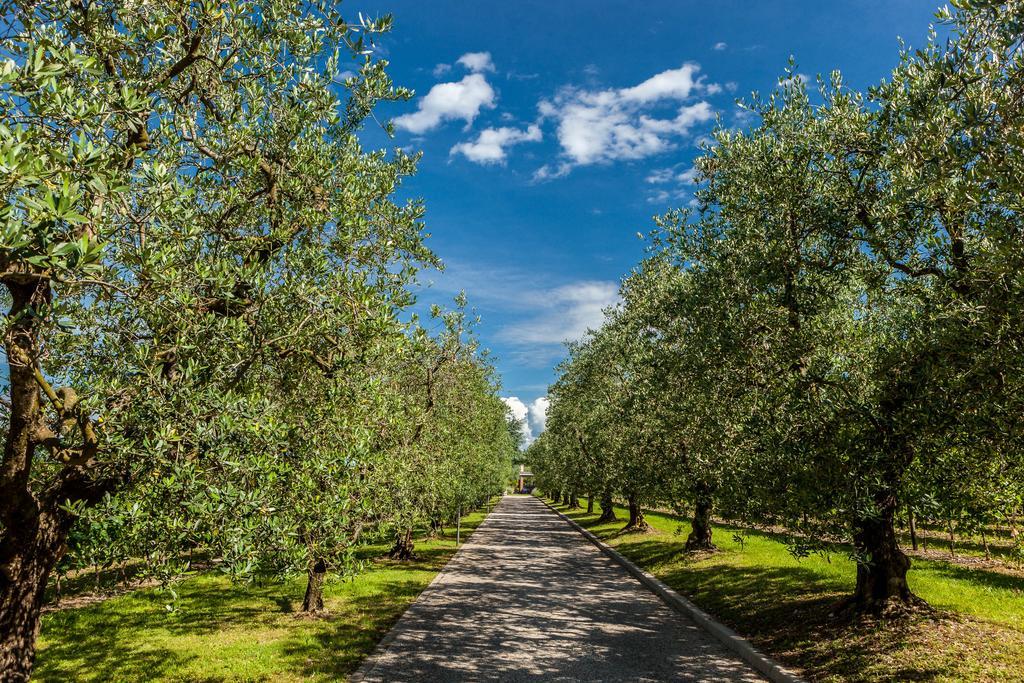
(220, 631)
(783, 603)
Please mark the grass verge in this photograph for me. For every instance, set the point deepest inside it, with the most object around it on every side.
(221, 631)
(782, 604)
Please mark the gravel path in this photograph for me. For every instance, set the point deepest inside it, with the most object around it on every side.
(528, 598)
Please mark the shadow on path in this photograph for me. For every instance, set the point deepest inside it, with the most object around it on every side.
(529, 598)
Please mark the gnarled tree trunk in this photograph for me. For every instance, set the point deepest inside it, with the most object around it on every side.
(882, 572)
(700, 535)
(636, 522)
(436, 528)
(590, 504)
(607, 509)
(27, 556)
(314, 598)
(34, 527)
(404, 546)
(574, 501)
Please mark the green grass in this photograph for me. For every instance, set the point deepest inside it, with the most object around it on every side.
(783, 604)
(220, 631)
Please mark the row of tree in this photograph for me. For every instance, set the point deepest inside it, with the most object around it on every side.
(208, 282)
(830, 337)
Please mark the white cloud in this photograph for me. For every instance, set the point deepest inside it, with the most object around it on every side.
(532, 418)
(661, 176)
(674, 184)
(689, 176)
(598, 126)
(516, 407)
(449, 101)
(489, 146)
(441, 70)
(518, 410)
(563, 313)
(477, 61)
(533, 317)
(548, 171)
(720, 46)
(675, 84)
(539, 413)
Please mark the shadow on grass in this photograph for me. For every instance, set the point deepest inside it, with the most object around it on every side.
(115, 640)
(133, 637)
(100, 641)
(785, 610)
(337, 649)
(982, 577)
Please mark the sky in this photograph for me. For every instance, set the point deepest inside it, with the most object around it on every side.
(553, 132)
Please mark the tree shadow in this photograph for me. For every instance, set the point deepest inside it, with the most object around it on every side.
(337, 650)
(983, 577)
(103, 646)
(787, 611)
(119, 639)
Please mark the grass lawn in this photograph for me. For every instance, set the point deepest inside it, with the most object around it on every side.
(221, 631)
(782, 604)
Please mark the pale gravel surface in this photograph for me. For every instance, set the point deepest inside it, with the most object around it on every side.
(528, 598)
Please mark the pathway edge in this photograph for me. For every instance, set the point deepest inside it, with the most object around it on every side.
(766, 666)
(373, 659)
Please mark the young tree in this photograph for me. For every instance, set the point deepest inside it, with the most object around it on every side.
(454, 450)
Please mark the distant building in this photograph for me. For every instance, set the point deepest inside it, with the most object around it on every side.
(524, 484)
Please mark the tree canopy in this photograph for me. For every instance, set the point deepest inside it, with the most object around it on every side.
(829, 336)
(208, 282)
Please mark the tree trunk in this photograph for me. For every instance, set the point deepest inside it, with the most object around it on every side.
(403, 548)
(607, 509)
(436, 528)
(590, 504)
(27, 557)
(882, 571)
(913, 528)
(700, 536)
(574, 501)
(636, 522)
(314, 599)
(952, 540)
(34, 529)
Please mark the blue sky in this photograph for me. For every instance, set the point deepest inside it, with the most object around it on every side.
(552, 132)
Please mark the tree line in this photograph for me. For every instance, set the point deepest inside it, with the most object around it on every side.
(209, 340)
(829, 338)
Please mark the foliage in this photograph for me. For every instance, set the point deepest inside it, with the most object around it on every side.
(206, 276)
(830, 335)
(783, 604)
(239, 632)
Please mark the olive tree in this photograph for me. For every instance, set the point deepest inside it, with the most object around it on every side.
(171, 170)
